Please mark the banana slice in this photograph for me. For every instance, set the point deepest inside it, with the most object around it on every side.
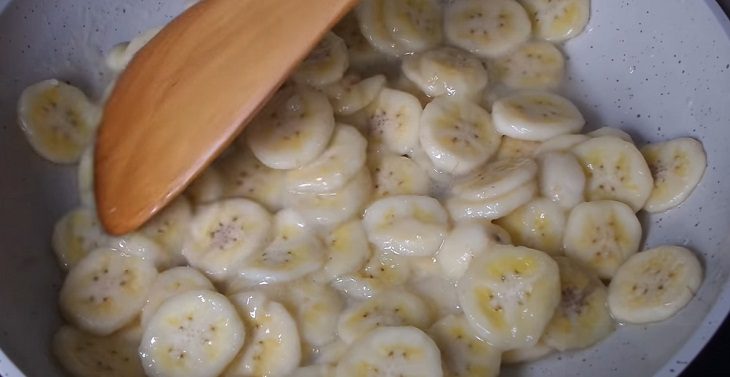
(86, 355)
(533, 65)
(536, 116)
(464, 353)
(406, 224)
(171, 283)
(169, 228)
(362, 55)
(434, 288)
(58, 120)
(602, 234)
(526, 354)
(441, 181)
(106, 290)
(677, 166)
(655, 284)
(457, 135)
(446, 71)
(347, 250)
(560, 143)
(330, 354)
(273, 347)
(326, 63)
(539, 224)
(85, 178)
(396, 307)
(516, 148)
(392, 351)
(208, 187)
(382, 272)
(611, 131)
(557, 21)
(195, 333)
(338, 164)
(414, 25)
(139, 245)
(509, 295)
(582, 318)
(293, 129)
(561, 179)
(486, 28)
(314, 371)
(331, 209)
(243, 175)
(75, 235)
(493, 208)
(394, 118)
(615, 170)
(371, 15)
(121, 54)
(294, 252)
(497, 178)
(222, 234)
(399, 175)
(352, 94)
(466, 240)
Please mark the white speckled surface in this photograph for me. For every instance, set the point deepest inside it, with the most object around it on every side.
(656, 68)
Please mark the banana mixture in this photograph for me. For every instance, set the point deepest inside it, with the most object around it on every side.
(416, 201)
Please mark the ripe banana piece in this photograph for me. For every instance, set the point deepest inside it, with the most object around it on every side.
(106, 290)
(436, 290)
(392, 351)
(399, 175)
(86, 355)
(611, 131)
(557, 21)
(58, 120)
(486, 28)
(394, 118)
(292, 129)
(371, 18)
(171, 283)
(677, 167)
(516, 148)
(536, 116)
(446, 71)
(85, 178)
(655, 284)
(526, 354)
(533, 65)
(466, 240)
(414, 25)
(243, 175)
(352, 93)
(615, 170)
(510, 294)
(362, 55)
(457, 135)
(408, 225)
(208, 187)
(169, 228)
(223, 234)
(560, 143)
(561, 178)
(539, 224)
(602, 234)
(464, 353)
(347, 250)
(326, 63)
(382, 272)
(496, 178)
(582, 318)
(272, 347)
(75, 235)
(492, 208)
(121, 54)
(139, 245)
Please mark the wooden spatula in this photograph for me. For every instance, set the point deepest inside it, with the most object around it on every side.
(190, 91)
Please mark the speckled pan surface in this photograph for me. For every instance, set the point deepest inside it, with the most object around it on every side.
(656, 68)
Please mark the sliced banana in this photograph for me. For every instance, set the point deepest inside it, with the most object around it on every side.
(392, 351)
(561, 179)
(509, 295)
(446, 71)
(495, 179)
(557, 21)
(526, 354)
(170, 227)
(486, 28)
(326, 63)
(463, 352)
(602, 234)
(441, 181)
(539, 224)
(293, 129)
(208, 187)
(536, 116)
(611, 131)
(655, 284)
(120, 55)
(466, 240)
(433, 287)
(171, 283)
(677, 166)
(493, 208)
(222, 234)
(272, 347)
(457, 135)
(615, 170)
(396, 307)
(352, 94)
(294, 252)
(382, 272)
(321, 370)
(338, 164)
(139, 245)
(347, 250)
(371, 15)
(85, 178)
(195, 333)
(560, 143)
(406, 224)
(394, 118)
(414, 25)
(331, 209)
(399, 175)
(75, 235)
(243, 175)
(362, 55)
(330, 354)
(582, 318)
(86, 355)
(516, 148)
(533, 65)
(106, 290)
(58, 120)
